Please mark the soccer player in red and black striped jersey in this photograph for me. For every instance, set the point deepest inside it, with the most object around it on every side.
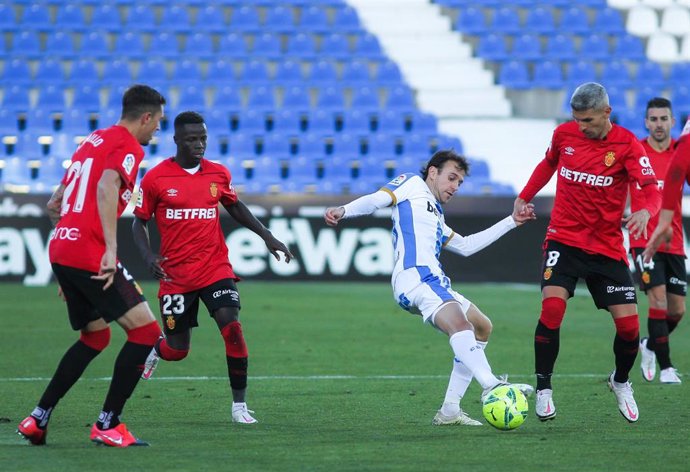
(663, 278)
(594, 160)
(83, 252)
(182, 194)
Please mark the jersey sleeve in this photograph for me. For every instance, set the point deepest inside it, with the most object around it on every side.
(402, 186)
(122, 159)
(228, 194)
(678, 173)
(146, 198)
(638, 165)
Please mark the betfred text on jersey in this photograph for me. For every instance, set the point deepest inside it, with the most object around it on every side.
(584, 177)
(191, 213)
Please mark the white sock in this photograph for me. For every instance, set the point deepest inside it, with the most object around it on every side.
(239, 405)
(472, 355)
(460, 378)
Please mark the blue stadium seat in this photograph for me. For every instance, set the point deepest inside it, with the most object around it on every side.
(526, 47)
(60, 44)
(449, 142)
(261, 99)
(615, 73)
(114, 99)
(217, 122)
(303, 170)
(51, 171)
(422, 123)
(680, 98)
(276, 146)
(560, 48)
(267, 46)
(16, 175)
(548, 74)
(186, 72)
(381, 146)
(84, 72)
(245, 19)
(515, 75)
(96, 45)
(617, 99)
(26, 44)
(355, 73)
(364, 98)
(70, 16)
(400, 98)
(200, 45)
(289, 73)
(36, 17)
(335, 46)
(129, 44)
(642, 96)
(8, 19)
(301, 46)
(287, 122)
(367, 46)
(540, 21)
(630, 119)
(141, 18)
(152, 71)
(220, 72)
(331, 98)
(595, 47)
(651, 74)
(192, 98)
(117, 72)
(211, 19)
(233, 46)
(323, 73)
(345, 20)
(314, 20)
(388, 73)
(279, 19)
(255, 73)
(356, 122)
(16, 72)
(629, 47)
(415, 145)
(227, 98)
(506, 20)
(471, 21)
(492, 47)
(175, 18)
(16, 98)
(106, 17)
(242, 146)
(9, 124)
(322, 121)
(296, 98)
(580, 72)
(87, 98)
(574, 20)
(74, 121)
(164, 45)
(679, 73)
(608, 21)
(51, 98)
(311, 147)
(40, 122)
(49, 71)
(346, 146)
(390, 122)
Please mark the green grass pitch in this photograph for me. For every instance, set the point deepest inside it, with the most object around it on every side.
(341, 379)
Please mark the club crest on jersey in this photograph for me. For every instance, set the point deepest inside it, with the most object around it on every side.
(128, 163)
(398, 180)
(214, 189)
(610, 158)
(170, 322)
(547, 273)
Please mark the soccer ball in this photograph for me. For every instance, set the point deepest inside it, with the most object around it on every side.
(505, 407)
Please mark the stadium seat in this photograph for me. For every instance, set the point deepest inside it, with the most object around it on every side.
(322, 121)
(331, 98)
(323, 73)
(335, 46)
(279, 19)
(40, 122)
(51, 98)
(615, 73)
(506, 20)
(74, 121)
(152, 71)
(261, 99)
(16, 72)
(492, 47)
(415, 145)
(355, 73)
(675, 20)
(83, 72)
(276, 146)
(49, 72)
(301, 46)
(267, 46)
(642, 21)
(548, 75)
(540, 20)
(186, 72)
(608, 21)
(36, 17)
(245, 19)
(227, 98)
(560, 48)
(164, 45)
(200, 45)
(16, 175)
(16, 98)
(311, 147)
(96, 45)
(191, 97)
(233, 46)
(314, 20)
(382, 147)
(141, 18)
(251, 122)
(106, 17)
(211, 19)
(87, 98)
(526, 47)
(130, 45)
(117, 72)
(388, 73)
(580, 72)
(356, 122)
(629, 47)
(617, 99)
(287, 123)
(400, 98)
(296, 98)
(220, 72)
(662, 47)
(421, 123)
(574, 20)
(255, 73)
(679, 73)
(367, 46)
(595, 47)
(289, 73)
(390, 122)
(642, 96)
(60, 44)
(175, 18)
(26, 44)
(471, 21)
(345, 19)
(9, 124)
(8, 19)
(515, 75)
(651, 74)
(70, 16)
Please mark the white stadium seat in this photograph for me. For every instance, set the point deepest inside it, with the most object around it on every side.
(657, 4)
(623, 4)
(662, 47)
(675, 20)
(642, 21)
(685, 48)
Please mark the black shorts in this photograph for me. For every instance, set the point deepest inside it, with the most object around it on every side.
(86, 299)
(608, 280)
(179, 311)
(664, 269)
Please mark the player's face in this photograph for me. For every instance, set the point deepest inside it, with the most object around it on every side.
(659, 122)
(594, 124)
(445, 181)
(191, 143)
(150, 124)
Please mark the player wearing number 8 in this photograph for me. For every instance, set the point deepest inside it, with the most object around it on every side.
(182, 194)
(83, 252)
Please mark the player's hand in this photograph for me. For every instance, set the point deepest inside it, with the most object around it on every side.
(106, 271)
(333, 215)
(658, 237)
(275, 246)
(155, 265)
(523, 213)
(636, 223)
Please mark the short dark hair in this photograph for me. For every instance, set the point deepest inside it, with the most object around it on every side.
(658, 102)
(188, 118)
(139, 99)
(441, 157)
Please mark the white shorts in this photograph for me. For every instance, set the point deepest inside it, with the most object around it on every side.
(425, 295)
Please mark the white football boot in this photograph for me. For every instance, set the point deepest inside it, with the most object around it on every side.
(625, 399)
(545, 408)
(241, 414)
(647, 361)
(669, 376)
(461, 418)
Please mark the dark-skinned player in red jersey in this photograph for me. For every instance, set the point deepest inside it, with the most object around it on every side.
(182, 194)
(85, 208)
(662, 279)
(594, 160)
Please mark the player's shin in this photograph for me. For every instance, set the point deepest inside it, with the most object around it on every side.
(625, 345)
(658, 336)
(460, 378)
(547, 340)
(465, 348)
(237, 358)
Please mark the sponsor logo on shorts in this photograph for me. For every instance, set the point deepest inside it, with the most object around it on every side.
(170, 322)
(677, 281)
(234, 296)
(629, 291)
(66, 234)
(547, 273)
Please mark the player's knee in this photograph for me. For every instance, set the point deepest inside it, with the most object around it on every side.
(171, 354)
(628, 327)
(552, 312)
(97, 340)
(146, 335)
(235, 345)
(483, 329)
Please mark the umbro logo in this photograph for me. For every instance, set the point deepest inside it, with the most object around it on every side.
(172, 192)
(569, 151)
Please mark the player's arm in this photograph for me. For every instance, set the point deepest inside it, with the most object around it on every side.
(140, 233)
(540, 177)
(468, 245)
(54, 205)
(107, 198)
(640, 169)
(246, 218)
(364, 205)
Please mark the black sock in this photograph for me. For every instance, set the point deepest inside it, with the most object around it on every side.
(237, 372)
(546, 345)
(70, 368)
(672, 323)
(658, 341)
(126, 374)
(625, 353)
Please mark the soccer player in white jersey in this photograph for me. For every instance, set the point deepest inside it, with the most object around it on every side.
(419, 283)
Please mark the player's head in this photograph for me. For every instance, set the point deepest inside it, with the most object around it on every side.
(659, 119)
(444, 173)
(190, 138)
(591, 110)
(142, 110)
